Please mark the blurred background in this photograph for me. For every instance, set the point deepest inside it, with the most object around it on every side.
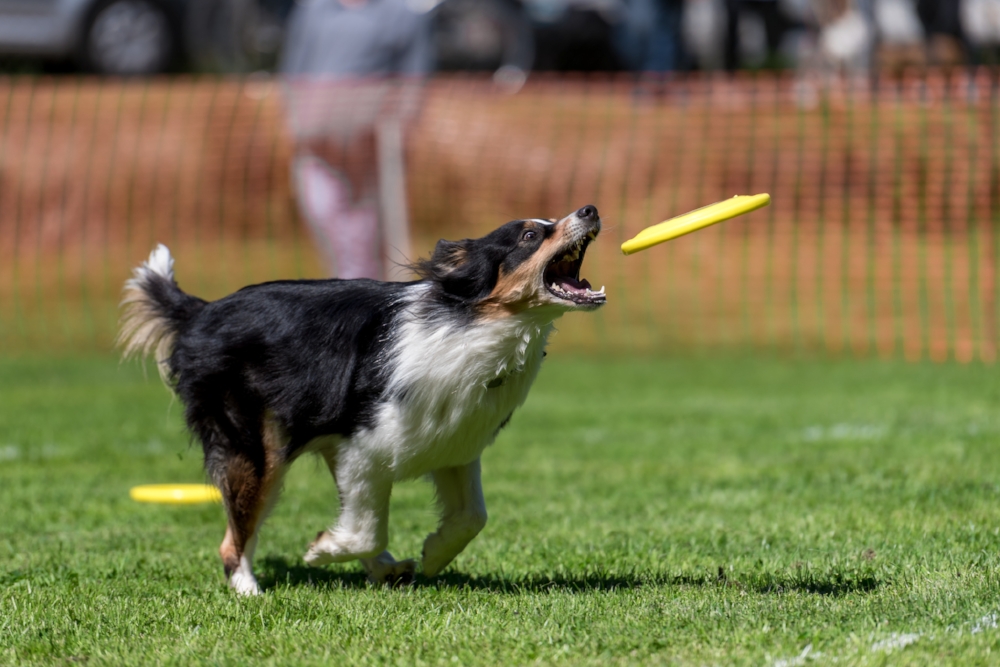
(239, 36)
(873, 124)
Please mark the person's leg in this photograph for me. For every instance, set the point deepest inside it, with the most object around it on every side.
(665, 47)
(631, 34)
(341, 209)
(732, 51)
(394, 214)
(775, 25)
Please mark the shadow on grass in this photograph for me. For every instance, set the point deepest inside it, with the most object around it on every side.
(834, 584)
(276, 571)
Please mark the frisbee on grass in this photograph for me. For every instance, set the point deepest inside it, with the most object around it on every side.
(175, 494)
(695, 220)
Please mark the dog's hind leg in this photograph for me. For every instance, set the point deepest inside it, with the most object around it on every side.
(362, 529)
(244, 529)
(463, 515)
(250, 482)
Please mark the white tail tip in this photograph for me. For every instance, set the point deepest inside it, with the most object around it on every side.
(160, 262)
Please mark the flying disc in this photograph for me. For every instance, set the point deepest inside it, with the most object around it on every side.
(175, 494)
(695, 220)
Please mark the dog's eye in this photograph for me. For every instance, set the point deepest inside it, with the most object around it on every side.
(528, 235)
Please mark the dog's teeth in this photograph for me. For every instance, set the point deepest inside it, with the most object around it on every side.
(601, 291)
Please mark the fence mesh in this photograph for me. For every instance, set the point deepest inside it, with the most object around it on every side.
(882, 238)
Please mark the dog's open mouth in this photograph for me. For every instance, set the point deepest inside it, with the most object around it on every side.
(562, 275)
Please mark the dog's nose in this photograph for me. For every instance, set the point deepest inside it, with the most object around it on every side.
(588, 212)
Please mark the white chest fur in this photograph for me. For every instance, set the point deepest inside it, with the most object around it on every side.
(451, 389)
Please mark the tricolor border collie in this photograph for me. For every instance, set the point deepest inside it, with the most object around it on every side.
(385, 381)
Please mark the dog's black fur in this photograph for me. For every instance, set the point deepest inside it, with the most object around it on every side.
(271, 368)
(310, 352)
(313, 352)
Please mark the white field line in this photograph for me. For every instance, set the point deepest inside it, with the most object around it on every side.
(897, 641)
(987, 622)
(800, 659)
(848, 432)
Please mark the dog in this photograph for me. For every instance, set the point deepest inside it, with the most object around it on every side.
(386, 381)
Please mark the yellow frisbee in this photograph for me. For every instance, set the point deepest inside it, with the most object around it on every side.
(175, 494)
(695, 220)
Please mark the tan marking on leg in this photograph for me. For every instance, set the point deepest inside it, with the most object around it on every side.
(227, 551)
(250, 495)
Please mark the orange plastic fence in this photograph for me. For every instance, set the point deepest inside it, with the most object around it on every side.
(882, 239)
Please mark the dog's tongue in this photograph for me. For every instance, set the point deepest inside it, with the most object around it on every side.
(574, 285)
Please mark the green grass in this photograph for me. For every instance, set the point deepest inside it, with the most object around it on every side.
(699, 512)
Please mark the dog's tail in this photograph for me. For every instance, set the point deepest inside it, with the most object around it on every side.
(154, 311)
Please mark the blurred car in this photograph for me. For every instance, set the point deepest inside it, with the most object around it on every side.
(561, 35)
(106, 36)
(576, 35)
(135, 37)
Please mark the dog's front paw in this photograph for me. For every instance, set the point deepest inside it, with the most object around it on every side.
(384, 569)
(320, 551)
(335, 547)
(455, 533)
(436, 556)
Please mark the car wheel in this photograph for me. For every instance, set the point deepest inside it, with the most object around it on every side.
(129, 37)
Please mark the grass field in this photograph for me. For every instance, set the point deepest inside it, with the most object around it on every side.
(726, 511)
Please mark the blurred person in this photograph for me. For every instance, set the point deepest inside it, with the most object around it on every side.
(980, 21)
(846, 34)
(650, 35)
(918, 33)
(946, 39)
(704, 30)
(776, 24)
(900, 35)
(353, 71)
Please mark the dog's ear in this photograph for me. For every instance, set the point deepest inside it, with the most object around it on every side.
(461, 271)
(450, 256)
